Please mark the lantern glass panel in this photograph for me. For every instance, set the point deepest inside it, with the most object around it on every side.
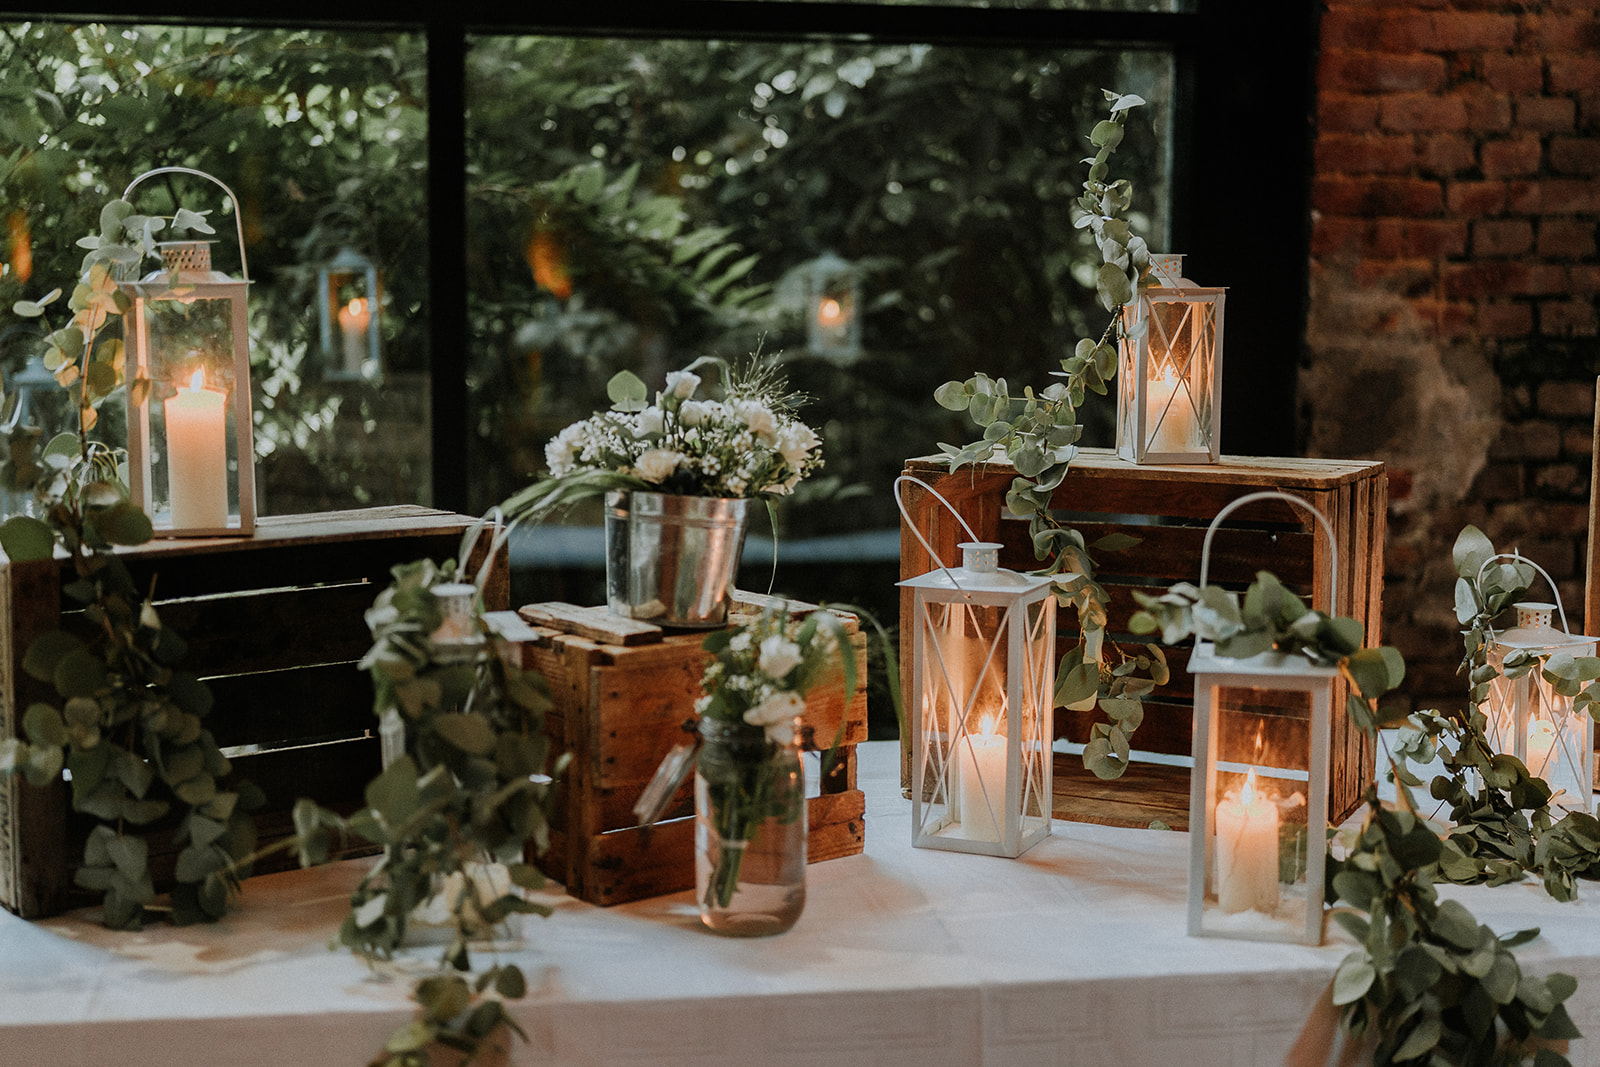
(1531, 721)
(188, 346)
(986, 683)
(1168, 380)
(1265, 813)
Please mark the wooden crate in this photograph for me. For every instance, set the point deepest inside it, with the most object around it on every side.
(1169, 508)
(275, 625)
(623, 692)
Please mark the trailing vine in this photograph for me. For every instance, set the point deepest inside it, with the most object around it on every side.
(1038, 434)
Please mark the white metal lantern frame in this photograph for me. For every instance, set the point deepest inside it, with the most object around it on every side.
(1169, 381)
(1527, 717)
(350, 330)
(1261, 749)
(832, 307)
(191, 463)
(983, 684)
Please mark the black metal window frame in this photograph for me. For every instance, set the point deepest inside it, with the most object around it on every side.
(1241, 171)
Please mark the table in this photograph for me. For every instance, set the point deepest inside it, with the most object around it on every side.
(1073, 954)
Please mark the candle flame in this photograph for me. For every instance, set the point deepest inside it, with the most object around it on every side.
(829, 312)
(986, 727)
(197, 381)
(1247, 795)
(357, 306)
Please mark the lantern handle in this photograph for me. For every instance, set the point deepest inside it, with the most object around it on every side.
(900, 502)
(1322, 521)
(1518, 557)
(238, 216)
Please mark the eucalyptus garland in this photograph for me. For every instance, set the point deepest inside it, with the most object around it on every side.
(1038, 434)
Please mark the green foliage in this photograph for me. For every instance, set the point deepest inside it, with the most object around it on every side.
(128, 722)
(473, 787)
(1038, 434)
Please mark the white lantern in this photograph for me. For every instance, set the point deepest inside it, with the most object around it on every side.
(1530, 720)
(832, 296)
(191, 460)
(1169, 381)
(1258, 794)
(983, 670)
(348, 317)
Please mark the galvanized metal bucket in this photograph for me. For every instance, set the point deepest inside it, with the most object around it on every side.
(671, 560)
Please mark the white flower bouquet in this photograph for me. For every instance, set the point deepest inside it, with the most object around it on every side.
(743, 445)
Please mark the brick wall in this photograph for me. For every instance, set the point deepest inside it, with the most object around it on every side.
(1454, 283)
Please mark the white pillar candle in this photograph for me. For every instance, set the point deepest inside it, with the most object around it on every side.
(354, 318)
(1541, 742)
(197, 456)
(1167, 415)
(981, 771)
(1247, 851)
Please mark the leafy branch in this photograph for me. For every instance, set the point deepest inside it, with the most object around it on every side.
(1038, 434)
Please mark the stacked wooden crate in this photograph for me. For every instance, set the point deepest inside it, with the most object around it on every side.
(624, 695)
(1168, 508)
(275, 624)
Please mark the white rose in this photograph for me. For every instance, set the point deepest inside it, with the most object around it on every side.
(682, 384)
(779, 656)
(778, 709)
(760, 419)
(693, 412)
(650, 422)
(562, 450)
(656, 464)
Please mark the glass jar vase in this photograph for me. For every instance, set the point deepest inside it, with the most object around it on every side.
(750, 830)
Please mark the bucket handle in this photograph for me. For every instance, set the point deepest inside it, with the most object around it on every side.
(1518, 557)
(900, 502)
(1273, 494)
(238, 216)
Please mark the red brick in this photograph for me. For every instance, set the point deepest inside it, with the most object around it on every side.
(1564, 479)
(1486, 111)
(1498, 481)
(1376, 196)
(1537, 439)
(1364, 154)
(1454, 31)
(1566, 399)
(1504, 319)
(1476, 198)
(1422, 112)
(1578, 441)
(1575, 155)
(1446, 154)
(1348, 28)
(1562, 33)
(1568, 318)
(1502, 237)
(1566, 238)
(1520, 74)
(1407, 277)
(1553, 196)
(1510, 158)
(1436, 239)
(1574, 72)
(1384, 72)
(1449, 320)
(1346, 112)
(1583, 279)
(1333, 235)
(1501, 278)
(1546, 113)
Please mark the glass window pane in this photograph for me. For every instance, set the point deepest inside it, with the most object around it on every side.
(641, 203)
(322, 137)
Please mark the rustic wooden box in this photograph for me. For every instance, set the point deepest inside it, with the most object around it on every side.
(275, 624)
(623, 692)
(1169, 508)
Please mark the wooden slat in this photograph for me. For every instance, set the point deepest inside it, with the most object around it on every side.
(1145, 793)
(591, 623)
(1591, 570)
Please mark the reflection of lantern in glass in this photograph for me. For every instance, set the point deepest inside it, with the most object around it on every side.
(348, 316)
(983, 669)
(832, 292)
(190, 450)
(1258, 794)
(1169, 382)
(1530, 720)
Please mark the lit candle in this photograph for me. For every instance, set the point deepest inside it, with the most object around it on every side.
(1541, 742)
(1247, 850)
(981, 770)
(197, 456)
(354, 319)
(1167, 415)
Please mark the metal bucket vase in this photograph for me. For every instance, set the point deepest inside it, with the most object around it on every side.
(671, 560)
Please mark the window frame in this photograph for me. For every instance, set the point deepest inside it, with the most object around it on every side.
(1241, 199)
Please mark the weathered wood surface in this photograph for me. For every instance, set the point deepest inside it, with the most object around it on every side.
(275, 624)
(1169, 508)
(619, 710)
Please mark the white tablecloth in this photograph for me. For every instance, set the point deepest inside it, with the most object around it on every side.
(1073, 954)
